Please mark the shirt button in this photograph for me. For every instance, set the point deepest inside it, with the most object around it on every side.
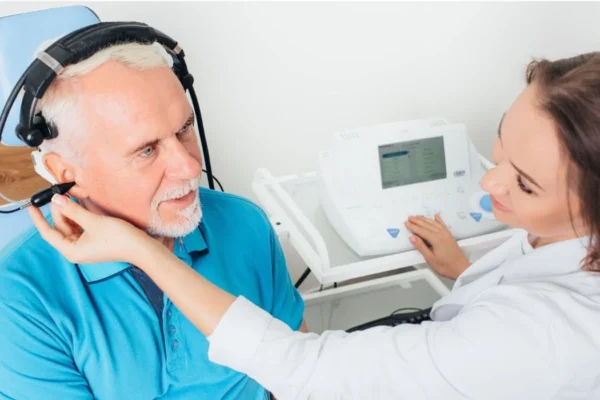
(169, 314)
(172, 330)
(175, 345)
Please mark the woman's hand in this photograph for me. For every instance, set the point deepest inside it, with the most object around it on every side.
(444, 255)
(84, 237)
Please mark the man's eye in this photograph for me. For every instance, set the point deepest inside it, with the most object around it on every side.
(184, 134)
(148, 151)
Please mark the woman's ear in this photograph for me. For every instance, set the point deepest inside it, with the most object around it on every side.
(64, 171)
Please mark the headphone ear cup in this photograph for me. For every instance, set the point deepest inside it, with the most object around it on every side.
(21, 133)
(51, 131)
(32, 138)
(186, 79)
(48, 130)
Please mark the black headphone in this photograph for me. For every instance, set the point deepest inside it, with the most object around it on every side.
(79, 45)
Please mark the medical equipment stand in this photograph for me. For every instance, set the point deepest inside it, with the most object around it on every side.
(292, 203)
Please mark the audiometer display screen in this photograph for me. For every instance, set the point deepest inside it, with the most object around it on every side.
(414, 161)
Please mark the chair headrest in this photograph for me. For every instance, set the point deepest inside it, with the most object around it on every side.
(22, 36)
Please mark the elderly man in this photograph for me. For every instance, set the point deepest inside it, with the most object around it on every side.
(77, 331)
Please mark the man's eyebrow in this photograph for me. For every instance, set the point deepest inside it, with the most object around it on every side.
(154, 142)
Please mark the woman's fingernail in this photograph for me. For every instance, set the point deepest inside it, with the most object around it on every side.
(412, 239)
(59, 200)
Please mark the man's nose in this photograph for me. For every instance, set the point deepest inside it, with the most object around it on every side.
(180, 163)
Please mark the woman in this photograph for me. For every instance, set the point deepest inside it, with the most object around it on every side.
(521, 323)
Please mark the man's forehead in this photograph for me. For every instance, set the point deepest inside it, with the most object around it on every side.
(133, 109)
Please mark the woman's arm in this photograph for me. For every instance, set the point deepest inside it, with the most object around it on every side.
(490, 351)
(203, 303)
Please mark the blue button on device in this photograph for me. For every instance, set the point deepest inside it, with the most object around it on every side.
(486, 203)
(393, 232)
(476, 216)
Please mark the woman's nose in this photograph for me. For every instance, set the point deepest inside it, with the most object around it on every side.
(493, 184)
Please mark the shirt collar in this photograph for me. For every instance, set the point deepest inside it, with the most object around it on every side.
(97, 272)
(194, 241)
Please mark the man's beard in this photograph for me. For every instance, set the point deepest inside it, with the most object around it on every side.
(187, 219)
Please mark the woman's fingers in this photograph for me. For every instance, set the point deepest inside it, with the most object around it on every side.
(62, 224)
(440, 221)
(52, 236)
(422, 248)
(420, 230)
(425, 223)
(73, 211)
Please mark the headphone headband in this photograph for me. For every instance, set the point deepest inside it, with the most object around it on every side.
(85, 42)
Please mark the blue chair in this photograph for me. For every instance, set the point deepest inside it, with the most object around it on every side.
(21, 37)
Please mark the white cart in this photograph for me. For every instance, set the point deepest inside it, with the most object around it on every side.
(292, 203)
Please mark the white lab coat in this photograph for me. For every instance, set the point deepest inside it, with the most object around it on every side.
(515, 326)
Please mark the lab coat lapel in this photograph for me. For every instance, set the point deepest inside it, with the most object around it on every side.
(481, 275)
(491, 260)
(557, 259)
(497, 267)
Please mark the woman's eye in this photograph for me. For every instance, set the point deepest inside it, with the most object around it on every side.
(523, 186)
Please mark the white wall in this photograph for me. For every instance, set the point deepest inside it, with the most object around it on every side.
(275, 79)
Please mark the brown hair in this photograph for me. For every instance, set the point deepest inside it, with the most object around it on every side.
(570, 95)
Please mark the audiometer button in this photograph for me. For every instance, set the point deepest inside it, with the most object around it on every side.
(393, 232)
(476, 216)
(486, 203)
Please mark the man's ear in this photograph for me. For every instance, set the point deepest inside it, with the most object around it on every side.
(64, 171)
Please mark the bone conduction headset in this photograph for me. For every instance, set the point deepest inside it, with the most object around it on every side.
(79, 45)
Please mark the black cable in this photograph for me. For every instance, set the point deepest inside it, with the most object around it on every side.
(302, 278)
(10, 211)
(216, 180)
(202, 135)
(414, 317)
(43, 197)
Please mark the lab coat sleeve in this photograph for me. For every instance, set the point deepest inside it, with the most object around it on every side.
(495, 349)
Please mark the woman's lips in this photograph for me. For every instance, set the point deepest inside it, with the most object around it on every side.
(499, 206)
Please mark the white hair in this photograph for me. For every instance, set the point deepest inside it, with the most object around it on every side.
(60, 106)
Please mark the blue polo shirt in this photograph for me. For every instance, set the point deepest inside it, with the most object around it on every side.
(71, 331)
